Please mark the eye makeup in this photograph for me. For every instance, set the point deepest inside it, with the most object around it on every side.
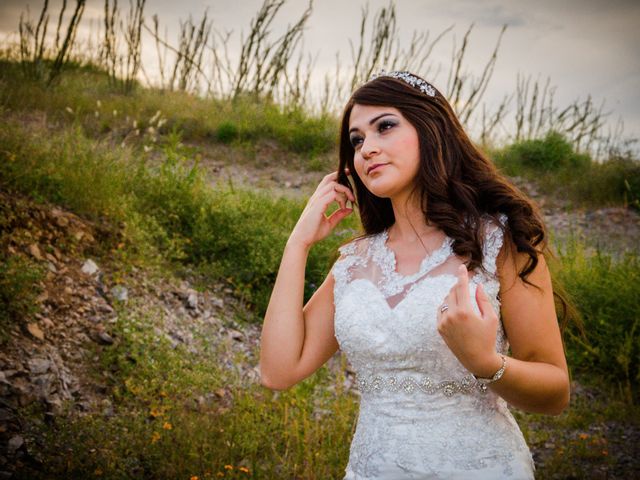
(382, 126)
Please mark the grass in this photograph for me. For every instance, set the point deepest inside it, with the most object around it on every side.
(85, 96)
(552, 164)
(160, 430)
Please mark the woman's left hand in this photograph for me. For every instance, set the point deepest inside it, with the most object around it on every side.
(471, 337)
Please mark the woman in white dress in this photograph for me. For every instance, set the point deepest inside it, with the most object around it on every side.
(444, 306)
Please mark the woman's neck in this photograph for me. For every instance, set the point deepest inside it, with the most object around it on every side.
(410, 223)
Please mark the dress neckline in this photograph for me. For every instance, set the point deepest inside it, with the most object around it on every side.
(429, 261)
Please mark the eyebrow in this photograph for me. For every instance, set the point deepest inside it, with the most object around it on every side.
(373, 120)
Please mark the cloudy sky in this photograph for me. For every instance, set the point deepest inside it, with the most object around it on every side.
(583, 46)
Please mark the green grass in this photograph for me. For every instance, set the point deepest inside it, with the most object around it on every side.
(168, 210)
(607, 294)
(161, 431)
(84, 96)
(552, 163)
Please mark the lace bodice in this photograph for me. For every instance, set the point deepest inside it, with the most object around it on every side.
(422, 414)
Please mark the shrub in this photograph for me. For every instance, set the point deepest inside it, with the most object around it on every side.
(616, 180)
(549, 154)
(607, 294)
(227, 132)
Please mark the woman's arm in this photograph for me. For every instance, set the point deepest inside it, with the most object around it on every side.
(297, 340)
(536, 377)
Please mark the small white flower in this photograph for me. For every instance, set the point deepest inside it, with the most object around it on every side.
(135, 124)
(155, 117)
(136, 132)
(115, 112)
(68, 109)
(96, 114)
(99, 103)
(147, 148)
(162, 122)
(151, 130)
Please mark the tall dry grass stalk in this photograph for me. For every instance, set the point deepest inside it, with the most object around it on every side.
(278, 68)
(38, 60)
(123, 63)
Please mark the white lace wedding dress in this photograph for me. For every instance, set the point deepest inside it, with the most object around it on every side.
(422, 414)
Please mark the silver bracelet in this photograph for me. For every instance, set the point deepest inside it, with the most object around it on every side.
(483, 382)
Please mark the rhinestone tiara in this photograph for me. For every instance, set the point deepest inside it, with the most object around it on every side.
(408, 78)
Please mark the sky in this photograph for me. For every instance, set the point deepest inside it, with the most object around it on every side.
(585, 47)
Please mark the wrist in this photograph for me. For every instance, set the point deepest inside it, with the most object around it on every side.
(296, 244)
(489, 367)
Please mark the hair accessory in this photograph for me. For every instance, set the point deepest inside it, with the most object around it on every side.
(444, 308)
(409, 78)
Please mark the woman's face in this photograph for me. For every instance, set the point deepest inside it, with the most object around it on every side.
(387, 153)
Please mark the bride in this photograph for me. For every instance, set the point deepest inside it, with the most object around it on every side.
(444, 306)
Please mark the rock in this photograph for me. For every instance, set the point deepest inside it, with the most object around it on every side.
(47, 322)
(35, 331)
(15, 443)
(236, 335)
(34, 251)
(102, 338)
(120, 293)
(104, 308)
(52, 268)
(62, 221)
(217, 302)
(90, 267)
(192, 300)
(38, 365)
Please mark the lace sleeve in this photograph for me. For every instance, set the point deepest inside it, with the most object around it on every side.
(493, 243)
(351, 254)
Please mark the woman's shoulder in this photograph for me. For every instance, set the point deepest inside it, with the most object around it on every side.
(359, 245)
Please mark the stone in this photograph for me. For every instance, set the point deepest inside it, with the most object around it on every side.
(120, 293)
(192, 300)
(15, 443)
(35, 331)
(102, 338)
(34, 251)
(38, 365)
(90, 267)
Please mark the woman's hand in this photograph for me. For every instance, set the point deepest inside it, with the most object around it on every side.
(470, 337)
(313, 225)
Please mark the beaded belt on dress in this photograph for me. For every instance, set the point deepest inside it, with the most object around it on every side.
(378, 384)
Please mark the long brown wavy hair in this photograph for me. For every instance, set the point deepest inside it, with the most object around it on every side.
(456, 183)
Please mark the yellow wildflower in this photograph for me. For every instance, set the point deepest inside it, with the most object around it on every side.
(155, 437)
(244, 469)
(195, 477)
(228, 467)
(167, 426)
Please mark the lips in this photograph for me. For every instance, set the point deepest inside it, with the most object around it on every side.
(374, 166)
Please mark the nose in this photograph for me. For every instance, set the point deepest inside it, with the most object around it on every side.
(369, 149)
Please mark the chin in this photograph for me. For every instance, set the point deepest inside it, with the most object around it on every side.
(383, 189)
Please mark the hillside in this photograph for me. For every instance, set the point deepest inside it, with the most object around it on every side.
(135, 267)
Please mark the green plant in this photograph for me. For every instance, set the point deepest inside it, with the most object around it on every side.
(552, 153)
(607, 294)
(20, 280)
